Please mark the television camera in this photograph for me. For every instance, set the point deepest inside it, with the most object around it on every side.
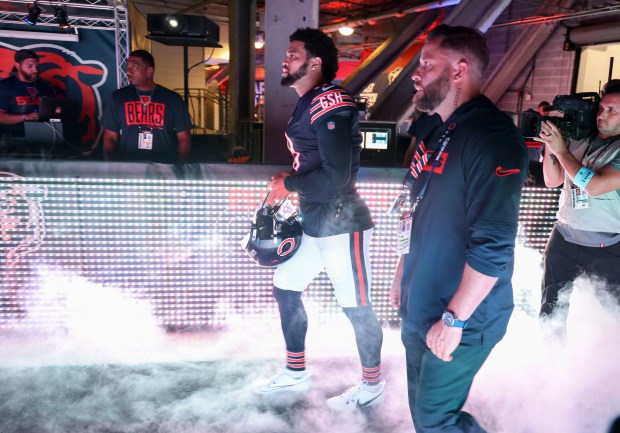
(578, 120)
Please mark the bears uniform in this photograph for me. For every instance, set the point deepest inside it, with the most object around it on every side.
(323, 136)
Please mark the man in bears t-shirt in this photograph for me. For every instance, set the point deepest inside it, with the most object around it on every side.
(145, 121)
(20, 95)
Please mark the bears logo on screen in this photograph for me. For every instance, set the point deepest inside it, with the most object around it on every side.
(68, 75)
(22, 225)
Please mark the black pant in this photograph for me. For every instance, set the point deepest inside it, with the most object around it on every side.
(438, 389)
(565, 261)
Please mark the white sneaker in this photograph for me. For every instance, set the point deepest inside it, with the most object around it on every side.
(286, 381)
(360, 396)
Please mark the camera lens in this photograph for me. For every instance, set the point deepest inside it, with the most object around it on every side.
(530, 123)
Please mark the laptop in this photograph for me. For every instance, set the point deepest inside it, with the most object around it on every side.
(43, 137)
(57, 109)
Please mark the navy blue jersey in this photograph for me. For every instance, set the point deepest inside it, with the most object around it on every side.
(469, 214)
(18, 97)
(323, 136)
(161, 112)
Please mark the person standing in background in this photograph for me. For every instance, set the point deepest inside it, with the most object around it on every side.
(542, 106)
(145, 121)
(586, 236)
(20, 96)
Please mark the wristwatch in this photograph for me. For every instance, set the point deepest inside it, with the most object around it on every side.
(450, 320)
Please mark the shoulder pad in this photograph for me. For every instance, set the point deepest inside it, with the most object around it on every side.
(330, 99)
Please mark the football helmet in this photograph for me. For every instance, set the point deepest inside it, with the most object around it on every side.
(275, 234)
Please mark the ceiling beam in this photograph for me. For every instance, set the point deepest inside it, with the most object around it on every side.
(395, 103)
(385, 54)
(396, 12)
(196, 6)
(521, 52)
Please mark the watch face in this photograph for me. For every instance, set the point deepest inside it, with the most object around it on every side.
(451, 321)
(448, 319)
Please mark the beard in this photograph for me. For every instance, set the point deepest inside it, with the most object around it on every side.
(30, 77)
(291, 79)
(434, 93)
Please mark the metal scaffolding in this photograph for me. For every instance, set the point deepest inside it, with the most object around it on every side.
(108, 15)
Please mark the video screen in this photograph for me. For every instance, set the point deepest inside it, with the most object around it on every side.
(376, 140)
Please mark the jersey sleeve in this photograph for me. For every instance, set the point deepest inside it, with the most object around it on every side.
(495, 168)
(332, 100)
(335, 144)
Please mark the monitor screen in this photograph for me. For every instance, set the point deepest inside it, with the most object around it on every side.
(378, 143)
(58, 109)
(376, 140)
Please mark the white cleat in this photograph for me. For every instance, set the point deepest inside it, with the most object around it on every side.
(361, 396)
(286, 381)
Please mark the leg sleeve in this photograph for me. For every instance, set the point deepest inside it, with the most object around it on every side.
(369, 339)
(294, 323)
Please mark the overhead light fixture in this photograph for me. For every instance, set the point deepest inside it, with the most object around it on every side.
(346, 30)
(61, 17)
(260, 41)
(33, 13)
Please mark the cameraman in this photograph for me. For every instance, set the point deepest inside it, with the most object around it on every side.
(586, 236)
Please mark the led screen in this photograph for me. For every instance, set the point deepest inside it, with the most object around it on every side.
(172, 245)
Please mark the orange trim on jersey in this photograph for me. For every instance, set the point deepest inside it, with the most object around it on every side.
(330, 108)
(343, 94)
(360, 268)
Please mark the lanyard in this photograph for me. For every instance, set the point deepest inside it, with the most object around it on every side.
(436, 161)
(395, 208)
